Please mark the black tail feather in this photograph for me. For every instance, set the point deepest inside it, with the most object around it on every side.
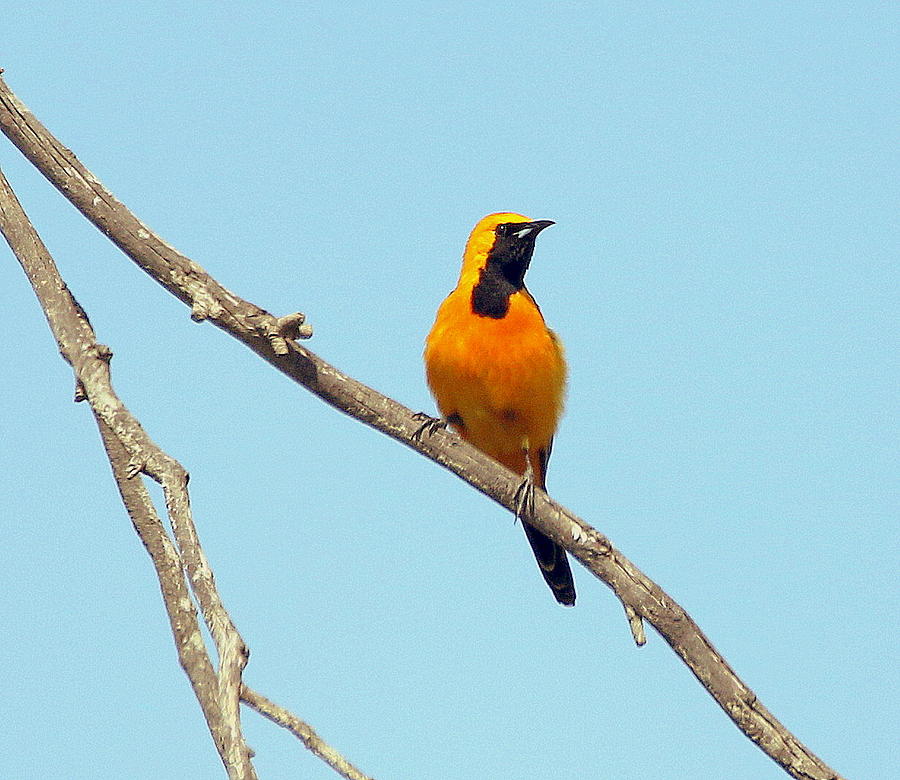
(554, 565)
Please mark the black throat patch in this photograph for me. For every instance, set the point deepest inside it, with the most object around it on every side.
(490, 297)
(503, 273)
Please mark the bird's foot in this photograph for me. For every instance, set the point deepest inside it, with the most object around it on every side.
(430, 425)
(524, 497)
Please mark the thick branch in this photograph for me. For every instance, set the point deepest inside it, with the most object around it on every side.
(642, 598)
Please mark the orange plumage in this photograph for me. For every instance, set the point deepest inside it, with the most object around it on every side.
(497, 371)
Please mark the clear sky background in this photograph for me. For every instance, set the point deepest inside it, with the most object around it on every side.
(723, 272)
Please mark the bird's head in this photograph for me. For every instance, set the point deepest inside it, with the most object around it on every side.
(505, 241)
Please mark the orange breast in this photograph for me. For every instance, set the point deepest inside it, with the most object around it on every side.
(504, 377)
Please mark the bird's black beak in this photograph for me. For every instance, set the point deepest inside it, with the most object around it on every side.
(527, 231)
(540, 224)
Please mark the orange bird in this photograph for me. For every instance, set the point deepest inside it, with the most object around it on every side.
(497, 371)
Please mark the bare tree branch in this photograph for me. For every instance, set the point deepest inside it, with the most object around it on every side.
(303, 731)
(132, 452)
(642, 598)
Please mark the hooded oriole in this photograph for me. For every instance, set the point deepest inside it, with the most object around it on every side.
(497, 371)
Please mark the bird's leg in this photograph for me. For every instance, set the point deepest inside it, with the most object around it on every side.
(524, 497)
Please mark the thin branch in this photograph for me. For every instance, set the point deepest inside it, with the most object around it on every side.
(219, 693)
(182, 614)
(303, 731)
(131, 451)
(254, 327)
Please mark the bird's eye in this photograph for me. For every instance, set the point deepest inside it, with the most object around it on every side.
(502, 230)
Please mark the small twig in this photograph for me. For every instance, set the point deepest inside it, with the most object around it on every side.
(303, 731)
(636, 625)
(294, 326)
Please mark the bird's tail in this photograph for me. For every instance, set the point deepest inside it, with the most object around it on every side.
(554, 565)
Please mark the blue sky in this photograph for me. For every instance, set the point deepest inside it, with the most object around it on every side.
(723, 273)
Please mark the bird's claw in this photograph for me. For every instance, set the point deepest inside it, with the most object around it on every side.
(524, 500)
(430, 425)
